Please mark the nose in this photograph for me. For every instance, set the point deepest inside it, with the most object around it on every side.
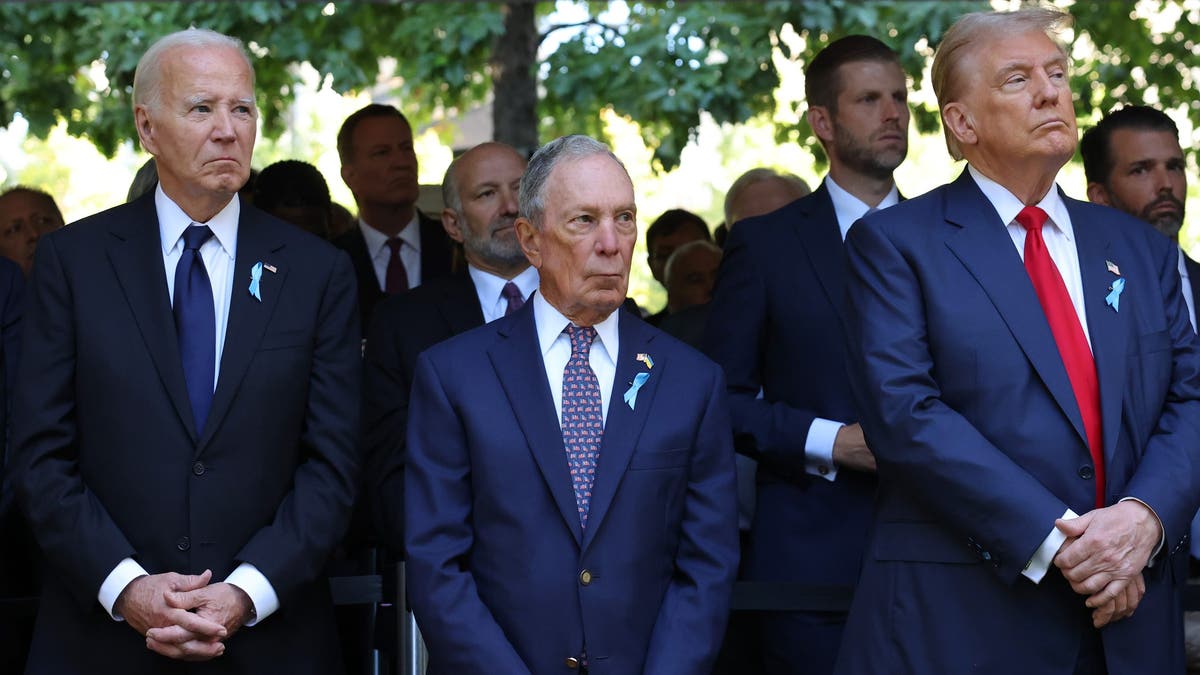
(607, 241)
(508, 205)
(223, 125)
(1048, 90)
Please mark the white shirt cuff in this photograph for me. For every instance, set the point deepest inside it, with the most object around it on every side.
(125, 572)
(254, 584)
(818, 448)
(1039, 564)
(1162, 533)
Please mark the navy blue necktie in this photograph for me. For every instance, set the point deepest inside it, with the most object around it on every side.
(196, 323)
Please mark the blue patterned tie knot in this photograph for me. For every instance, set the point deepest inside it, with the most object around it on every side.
(582, 417)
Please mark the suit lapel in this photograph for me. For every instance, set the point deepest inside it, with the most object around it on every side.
(623, 425)
(1193, 270)
(137, 259)
(520, 368)
(985, 248)
(460, 305)
(821, 240)
(248, 316)
(1108, 329)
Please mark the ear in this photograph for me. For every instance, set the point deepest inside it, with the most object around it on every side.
(959, 122)
(530, 240)
(348, 175)
(450, 224)
(145, 128)
(1098, 194)
(821, 122)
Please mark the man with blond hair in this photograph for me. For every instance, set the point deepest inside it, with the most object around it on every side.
(1027, 378)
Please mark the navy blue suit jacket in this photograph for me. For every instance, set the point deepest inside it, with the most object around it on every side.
(775, 323)
(495, 550)
(109, 463)
(981, 446)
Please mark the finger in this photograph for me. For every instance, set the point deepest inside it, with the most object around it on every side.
(189, 582)
(1074, 527)
(188, 651)
(1106, 593)
(175, 635)
(1102, 616)
(194, 623)
(185, 599)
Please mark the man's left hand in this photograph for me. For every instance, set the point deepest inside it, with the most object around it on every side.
(1107, 549)
(223, 603)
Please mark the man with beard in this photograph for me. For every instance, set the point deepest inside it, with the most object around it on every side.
(480, 190)
(395, 247)
(1133, 162)
(775, 326)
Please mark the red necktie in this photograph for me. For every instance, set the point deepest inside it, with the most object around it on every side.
(396, 277)
(1068, 335)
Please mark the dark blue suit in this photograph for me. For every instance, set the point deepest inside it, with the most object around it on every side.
(109, 463)
(981, 446)
(496, 555)
(776, 323)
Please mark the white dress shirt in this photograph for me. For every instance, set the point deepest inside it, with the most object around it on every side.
(818, 444)
(410, 250)
(488, 287)
(556, 351)
(218, 254)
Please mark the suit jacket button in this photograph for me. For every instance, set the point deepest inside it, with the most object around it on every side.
(183, 544)
(1086, 472)
(585, 577)
(572, 662)
(198, 468)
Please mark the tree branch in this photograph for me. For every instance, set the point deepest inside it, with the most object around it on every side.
(563, 26)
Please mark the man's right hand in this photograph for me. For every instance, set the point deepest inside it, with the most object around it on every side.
(850, 449)
(143, 605)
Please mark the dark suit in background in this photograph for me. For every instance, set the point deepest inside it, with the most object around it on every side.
(436, 259)
(110, 465)
(18, 551)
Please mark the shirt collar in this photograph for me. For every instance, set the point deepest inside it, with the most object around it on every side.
(1183, 270)
(376, 240)
(1008, 206)
(488, 286)
(849, 208)
(551, 323)
(172, 221)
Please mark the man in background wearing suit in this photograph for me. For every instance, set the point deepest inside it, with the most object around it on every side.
(775, 326)
(395, 247)
(570, 490)
(480, 190)
(186, 412)
(1030, 386)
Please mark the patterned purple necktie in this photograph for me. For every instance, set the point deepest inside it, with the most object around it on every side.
(582, 417)
(512, 295)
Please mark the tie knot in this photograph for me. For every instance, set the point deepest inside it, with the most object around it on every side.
(1032, 218)
(195, 236)
(581, 339)
(395, 243)
(511, 292)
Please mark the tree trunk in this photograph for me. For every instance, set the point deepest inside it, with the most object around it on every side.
(514, 83)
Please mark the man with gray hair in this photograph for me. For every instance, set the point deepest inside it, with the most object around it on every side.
(761, 190)
(1030, 385)
(186, 412)
(569, 493)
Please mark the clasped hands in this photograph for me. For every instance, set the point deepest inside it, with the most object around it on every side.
(183, 616)
(1104, 555)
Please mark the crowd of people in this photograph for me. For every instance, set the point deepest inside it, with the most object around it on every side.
(976, 409)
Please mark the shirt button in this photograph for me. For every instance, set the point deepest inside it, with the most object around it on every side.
(1086, 472)
(585, 577)
(198, 468)
(183, 544)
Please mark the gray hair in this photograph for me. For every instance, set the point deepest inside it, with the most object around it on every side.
(762, 175)
(531, 203)
(683, 250)
(147, 79)
(981, 28)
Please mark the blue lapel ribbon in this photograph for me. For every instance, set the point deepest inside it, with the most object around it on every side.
(1114, 298)
(632, 392)
(255, 278)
